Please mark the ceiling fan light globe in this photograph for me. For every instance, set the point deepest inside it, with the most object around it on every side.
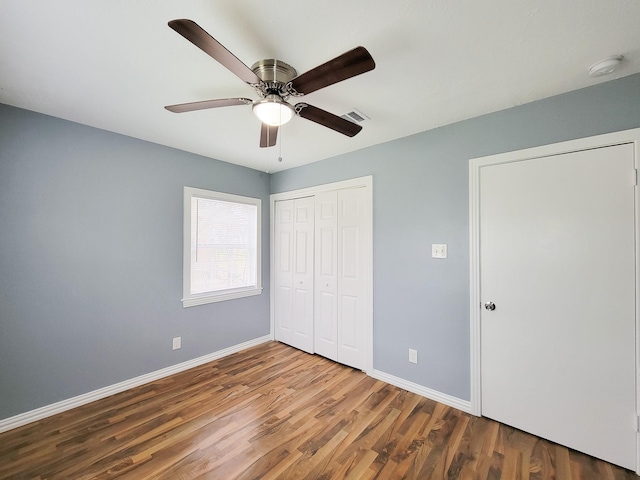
(273, 111)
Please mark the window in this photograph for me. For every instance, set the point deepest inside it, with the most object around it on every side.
(221, 247)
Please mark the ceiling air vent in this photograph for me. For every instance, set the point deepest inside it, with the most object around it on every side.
(355, 116)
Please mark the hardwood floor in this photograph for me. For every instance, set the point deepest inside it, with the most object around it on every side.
(273, 412)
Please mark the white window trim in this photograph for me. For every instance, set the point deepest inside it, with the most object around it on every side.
(190, 300)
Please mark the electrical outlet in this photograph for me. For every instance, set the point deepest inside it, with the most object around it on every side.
(439, 250)
(177, 343)
(413, 355)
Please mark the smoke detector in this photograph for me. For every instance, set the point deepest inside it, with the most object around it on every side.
(605, 66)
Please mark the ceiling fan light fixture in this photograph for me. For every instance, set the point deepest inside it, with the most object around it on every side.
(273, 111)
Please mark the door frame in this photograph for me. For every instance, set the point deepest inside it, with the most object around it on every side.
(366, 182)
(475, 167)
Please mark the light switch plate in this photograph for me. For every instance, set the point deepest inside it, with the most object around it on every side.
(413, 355)
(439, 250)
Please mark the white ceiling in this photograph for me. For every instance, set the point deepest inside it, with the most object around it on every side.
(114, 64)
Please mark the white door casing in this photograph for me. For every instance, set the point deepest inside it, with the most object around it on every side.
(557, 357)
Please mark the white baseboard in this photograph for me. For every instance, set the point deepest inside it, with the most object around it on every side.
(64, 405)
(454, 402)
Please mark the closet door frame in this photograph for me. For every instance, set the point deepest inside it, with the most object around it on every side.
(366, 182)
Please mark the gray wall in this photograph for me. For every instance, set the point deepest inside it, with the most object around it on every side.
(420, 197)
(91, 245)
(91, 260)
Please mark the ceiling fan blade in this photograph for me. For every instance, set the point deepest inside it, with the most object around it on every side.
(327, 119)
(205, 42)
(221, 102)
(349, 64)
(268, 135)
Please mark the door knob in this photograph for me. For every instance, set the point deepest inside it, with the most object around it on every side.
(490, 306)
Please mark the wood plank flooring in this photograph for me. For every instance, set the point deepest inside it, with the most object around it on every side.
(273, 412)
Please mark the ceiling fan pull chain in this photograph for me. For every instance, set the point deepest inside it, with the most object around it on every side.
(280, 147)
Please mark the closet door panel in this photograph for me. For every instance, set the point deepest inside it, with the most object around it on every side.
(293, 310)
(303, 274)
(326, 262)
(352, 277)
(283, 277)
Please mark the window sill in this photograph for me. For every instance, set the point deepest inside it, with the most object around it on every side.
(192, 302)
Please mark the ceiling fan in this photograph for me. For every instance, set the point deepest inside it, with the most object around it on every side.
(275, 82)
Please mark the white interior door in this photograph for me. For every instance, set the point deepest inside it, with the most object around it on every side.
(352, 276)
(557, 259)
(326, 281)
(294, 234)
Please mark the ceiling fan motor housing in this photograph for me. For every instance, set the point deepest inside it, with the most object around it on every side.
(275, 74)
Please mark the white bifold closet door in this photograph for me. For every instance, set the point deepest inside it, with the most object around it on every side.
(341, 276)
(293, 265)
(321, 272)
